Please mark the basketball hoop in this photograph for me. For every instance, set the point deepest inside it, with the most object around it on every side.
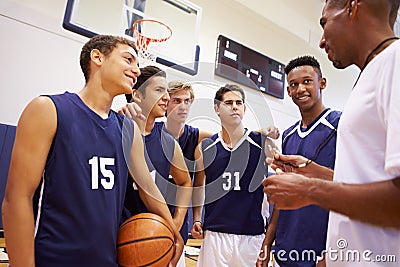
(148, 35)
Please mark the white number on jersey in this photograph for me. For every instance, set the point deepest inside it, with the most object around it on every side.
(228, 184)
(108, 176)
(153, 176)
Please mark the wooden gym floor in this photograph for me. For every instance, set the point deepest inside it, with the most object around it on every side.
(191, 261)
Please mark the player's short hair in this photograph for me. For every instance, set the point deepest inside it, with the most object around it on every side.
(105, 44)
(177, 86)
(304, 61)
(143, 80)
(227, 88)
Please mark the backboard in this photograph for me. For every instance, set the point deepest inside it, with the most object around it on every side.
(116, 17)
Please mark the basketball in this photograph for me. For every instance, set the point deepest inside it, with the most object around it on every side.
(145, 239)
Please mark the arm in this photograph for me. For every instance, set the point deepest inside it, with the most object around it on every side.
(149, 192)
(203, 135)
(269, 239)
(291, 191)
(198, 195)
(182, 179)
(301, 165)
(35, 132)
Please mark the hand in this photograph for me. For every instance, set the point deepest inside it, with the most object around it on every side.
(179, 245)
(300, 165)
(289, 163)
(133, 111)
(271, 132)
(197, 230)
(263, 257)
(289, 190)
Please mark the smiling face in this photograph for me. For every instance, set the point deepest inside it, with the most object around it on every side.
(304, 87)
(119, 69)
(154, 101)
(339, 36)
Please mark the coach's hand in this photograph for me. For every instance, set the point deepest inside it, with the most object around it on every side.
(300, 165)
(289, 190)
(197, 230)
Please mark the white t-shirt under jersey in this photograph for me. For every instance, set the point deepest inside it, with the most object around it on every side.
(368, 150)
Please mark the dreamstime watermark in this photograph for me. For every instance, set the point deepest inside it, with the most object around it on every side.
(339, 254)
(342, 253)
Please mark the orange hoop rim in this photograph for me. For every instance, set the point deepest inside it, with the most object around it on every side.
(149, 39)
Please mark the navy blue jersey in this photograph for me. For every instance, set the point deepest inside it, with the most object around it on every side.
(306, 228)
(159, 151)
(188, 142)
(83, 187)
(234, 194)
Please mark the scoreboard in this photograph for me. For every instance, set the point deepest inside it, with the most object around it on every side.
(243, 65)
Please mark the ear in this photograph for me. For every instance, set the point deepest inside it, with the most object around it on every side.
(352, 8)
(244, 108)
(288, 91)
(96, 56)
(216, 109)
(137, 96)
(322, 83)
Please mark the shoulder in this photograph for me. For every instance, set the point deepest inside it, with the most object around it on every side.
(334, 117)
(256, 136)
(209, 140)
(191, 129)
(290, 129)
(42, 106)
(39, 119)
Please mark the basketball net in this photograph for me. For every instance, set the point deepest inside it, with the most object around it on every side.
(148, 35)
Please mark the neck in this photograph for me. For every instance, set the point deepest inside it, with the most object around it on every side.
(309, 116)
(174, 128)
(231, 136)
(377, 49)
(97, 100)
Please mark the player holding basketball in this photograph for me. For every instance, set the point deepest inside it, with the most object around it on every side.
(163, 155)
(231, 167)
(364, 196)
(69, 148)
(314, 138)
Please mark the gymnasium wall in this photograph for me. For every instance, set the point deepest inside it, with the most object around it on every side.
(38, 56)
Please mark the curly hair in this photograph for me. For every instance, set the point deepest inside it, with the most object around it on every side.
(304, 61)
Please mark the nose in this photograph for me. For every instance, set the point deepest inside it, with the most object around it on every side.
(234, 105)
(302, 87)
(136, 70)
(166, 97)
